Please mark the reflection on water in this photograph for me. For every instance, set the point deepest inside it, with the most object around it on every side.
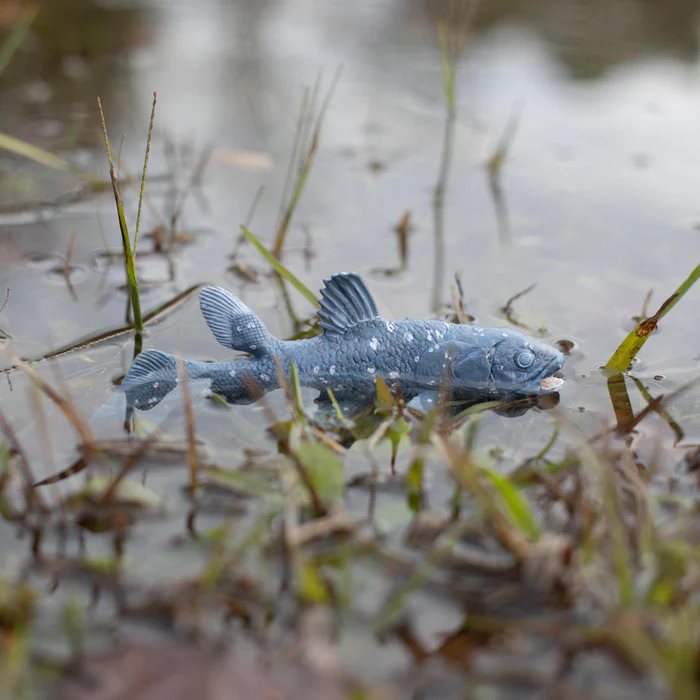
(595, 200)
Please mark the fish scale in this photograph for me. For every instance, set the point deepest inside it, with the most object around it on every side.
(356, 346)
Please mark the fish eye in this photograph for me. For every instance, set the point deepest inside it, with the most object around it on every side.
(524, 359)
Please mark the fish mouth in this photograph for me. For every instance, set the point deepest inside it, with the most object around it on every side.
(551, 383)
(547, 381)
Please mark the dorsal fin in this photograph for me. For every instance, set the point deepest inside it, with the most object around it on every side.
(233, 324)
(345, 302)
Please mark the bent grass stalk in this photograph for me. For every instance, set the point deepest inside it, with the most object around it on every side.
(280, 269)
(129, 250)
(621, 359)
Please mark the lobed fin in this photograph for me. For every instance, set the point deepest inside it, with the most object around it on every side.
(149, 362)
(151, 377)
(233, 324)
(345, 302)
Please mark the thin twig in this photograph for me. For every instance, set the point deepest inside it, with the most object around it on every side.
(189, 424)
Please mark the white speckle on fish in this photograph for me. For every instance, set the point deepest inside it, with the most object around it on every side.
(265, 377)
(371, 370)
(136, 402)
(390, 327)
(250, 325)
(393, 375)
(416, 358)
(316, 369)
(332, 369)
(232, 373)
(253, 347)
(408, 336)
(374, 344)
(439, 335)
(505, 335)
(156, 385)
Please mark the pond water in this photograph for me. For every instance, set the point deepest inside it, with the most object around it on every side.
(595, 204)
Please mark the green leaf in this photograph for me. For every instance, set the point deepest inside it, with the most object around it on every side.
(312, 587)
(280, 269)
(324, 469)
(127, 492)
(384, 397)
(632, 344)
(516, 506)
(414, 484)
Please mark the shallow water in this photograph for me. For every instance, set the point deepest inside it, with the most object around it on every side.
(598, 205)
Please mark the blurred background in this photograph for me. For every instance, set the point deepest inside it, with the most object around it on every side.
(473, 150)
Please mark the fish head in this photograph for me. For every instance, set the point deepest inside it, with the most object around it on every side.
(508, 363)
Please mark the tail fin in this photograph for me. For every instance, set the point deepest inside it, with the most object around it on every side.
(151, 377)
(233, 324)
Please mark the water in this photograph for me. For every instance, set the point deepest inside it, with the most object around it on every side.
(598, 200)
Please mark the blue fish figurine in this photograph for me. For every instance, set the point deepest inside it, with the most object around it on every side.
(357, 345)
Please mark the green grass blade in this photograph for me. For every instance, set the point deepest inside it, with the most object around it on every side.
(16, 37)
(129, 260)
(279, 268)
(632, 344)
(144, 173)
(516, 506)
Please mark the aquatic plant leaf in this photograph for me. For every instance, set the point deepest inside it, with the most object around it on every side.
(312, 587)
(127, 492)
(414, 484)
(516, 506)
(129, 251)
(16, 604)
(621, 359)
(280, 269)
(385, 399)
(323, 468)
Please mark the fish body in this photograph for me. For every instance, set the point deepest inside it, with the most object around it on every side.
(414, 357)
